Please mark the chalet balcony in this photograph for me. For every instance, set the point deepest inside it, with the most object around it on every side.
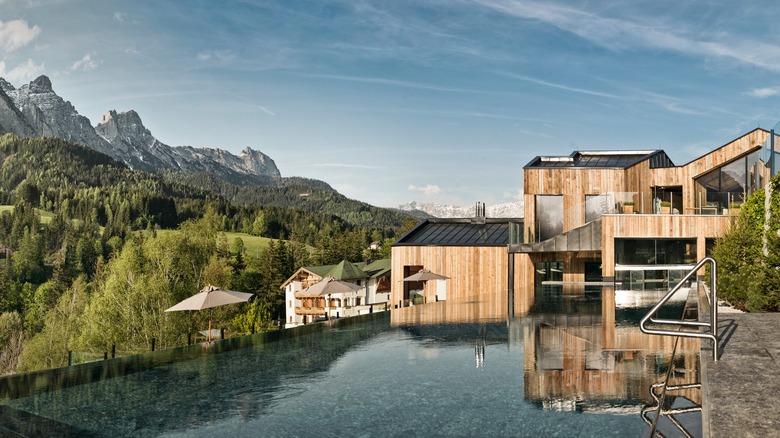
(309, 310)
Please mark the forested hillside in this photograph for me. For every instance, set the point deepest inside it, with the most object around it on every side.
(299, 194)
(99, 274)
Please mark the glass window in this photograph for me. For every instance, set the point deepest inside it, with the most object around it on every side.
(548, 271)
(596, 206)
(730, 182)
(549, 215)
(655, 251)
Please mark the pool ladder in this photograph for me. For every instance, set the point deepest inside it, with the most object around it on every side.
(712, 324)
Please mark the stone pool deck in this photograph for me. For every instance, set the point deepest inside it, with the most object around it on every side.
(741, 388)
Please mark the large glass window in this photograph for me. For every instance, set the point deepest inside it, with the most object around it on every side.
(729, 183)
(549, 216)
(655, 251)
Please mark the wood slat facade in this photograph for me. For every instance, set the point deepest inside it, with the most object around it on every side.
(480, 273)
(473, 271)
(636, 183)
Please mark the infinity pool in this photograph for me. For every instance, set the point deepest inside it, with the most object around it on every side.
(573, 365)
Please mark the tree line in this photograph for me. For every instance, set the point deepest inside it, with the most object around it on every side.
(99, 274)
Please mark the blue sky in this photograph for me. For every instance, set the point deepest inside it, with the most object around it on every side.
(393, 101)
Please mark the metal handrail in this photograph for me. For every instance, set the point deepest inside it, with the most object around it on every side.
(713, 324)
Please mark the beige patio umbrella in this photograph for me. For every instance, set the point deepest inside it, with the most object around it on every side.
(327, 285)
(210, 296)
(425, 275)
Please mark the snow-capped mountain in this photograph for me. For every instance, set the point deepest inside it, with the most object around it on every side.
(507, 210)
(35, 109)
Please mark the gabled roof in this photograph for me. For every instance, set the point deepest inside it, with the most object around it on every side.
(603, 159)
(378, 268)
(346, 271)
(459, 232)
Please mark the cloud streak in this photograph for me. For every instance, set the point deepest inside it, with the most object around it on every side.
(266, 110)
(668, 103)
(623, 34)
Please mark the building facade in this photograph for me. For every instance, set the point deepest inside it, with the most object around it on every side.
(629, 218)
(633, 217)
(372, 295)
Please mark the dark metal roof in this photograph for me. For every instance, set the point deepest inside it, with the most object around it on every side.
(458, 232)
(603, 159)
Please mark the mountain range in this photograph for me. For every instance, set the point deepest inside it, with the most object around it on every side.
(35, 110)
(432, 209)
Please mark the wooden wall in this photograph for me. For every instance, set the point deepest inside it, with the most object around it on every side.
(574, 183)
(476, 274)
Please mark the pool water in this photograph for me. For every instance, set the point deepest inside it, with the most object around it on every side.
(576, 368)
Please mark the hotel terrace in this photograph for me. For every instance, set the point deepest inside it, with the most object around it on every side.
(632, 218)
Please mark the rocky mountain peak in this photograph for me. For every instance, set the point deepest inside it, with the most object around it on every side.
(36, 110)
(124, 123)
(6, 86)
(41, 85)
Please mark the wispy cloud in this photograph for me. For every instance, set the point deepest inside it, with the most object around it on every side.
(16, 34)
(669, 103)
(266, 110)
(118, 16)
(397, 83)
(24, 71)
(763, 93)
(86, 63)
(216, 55)
(536, 134)
(428, 190)
(626, 34)
(562, 86)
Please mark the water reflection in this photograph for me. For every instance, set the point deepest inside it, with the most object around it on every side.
(583, 350)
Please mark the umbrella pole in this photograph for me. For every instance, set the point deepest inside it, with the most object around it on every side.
(209, 338)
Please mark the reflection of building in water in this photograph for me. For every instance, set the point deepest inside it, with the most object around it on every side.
(585, 361)
(468, 309)
(581, 351)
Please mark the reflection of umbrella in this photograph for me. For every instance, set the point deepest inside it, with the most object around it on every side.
(425, 275)
(328, 285)
(210, 296)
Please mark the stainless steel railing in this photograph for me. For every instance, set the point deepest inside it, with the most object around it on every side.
(712, 324)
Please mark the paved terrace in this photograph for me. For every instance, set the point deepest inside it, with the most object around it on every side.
(742, 389)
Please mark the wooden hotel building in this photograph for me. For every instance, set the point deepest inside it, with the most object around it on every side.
(630, 217)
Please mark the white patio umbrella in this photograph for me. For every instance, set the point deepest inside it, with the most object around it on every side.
(425, 275)
(210, 296)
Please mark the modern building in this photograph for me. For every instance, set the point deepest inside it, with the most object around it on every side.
(373, 294)
(632, 218)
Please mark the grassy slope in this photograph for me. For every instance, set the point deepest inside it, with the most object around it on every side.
(46, 216)
(252, 244)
